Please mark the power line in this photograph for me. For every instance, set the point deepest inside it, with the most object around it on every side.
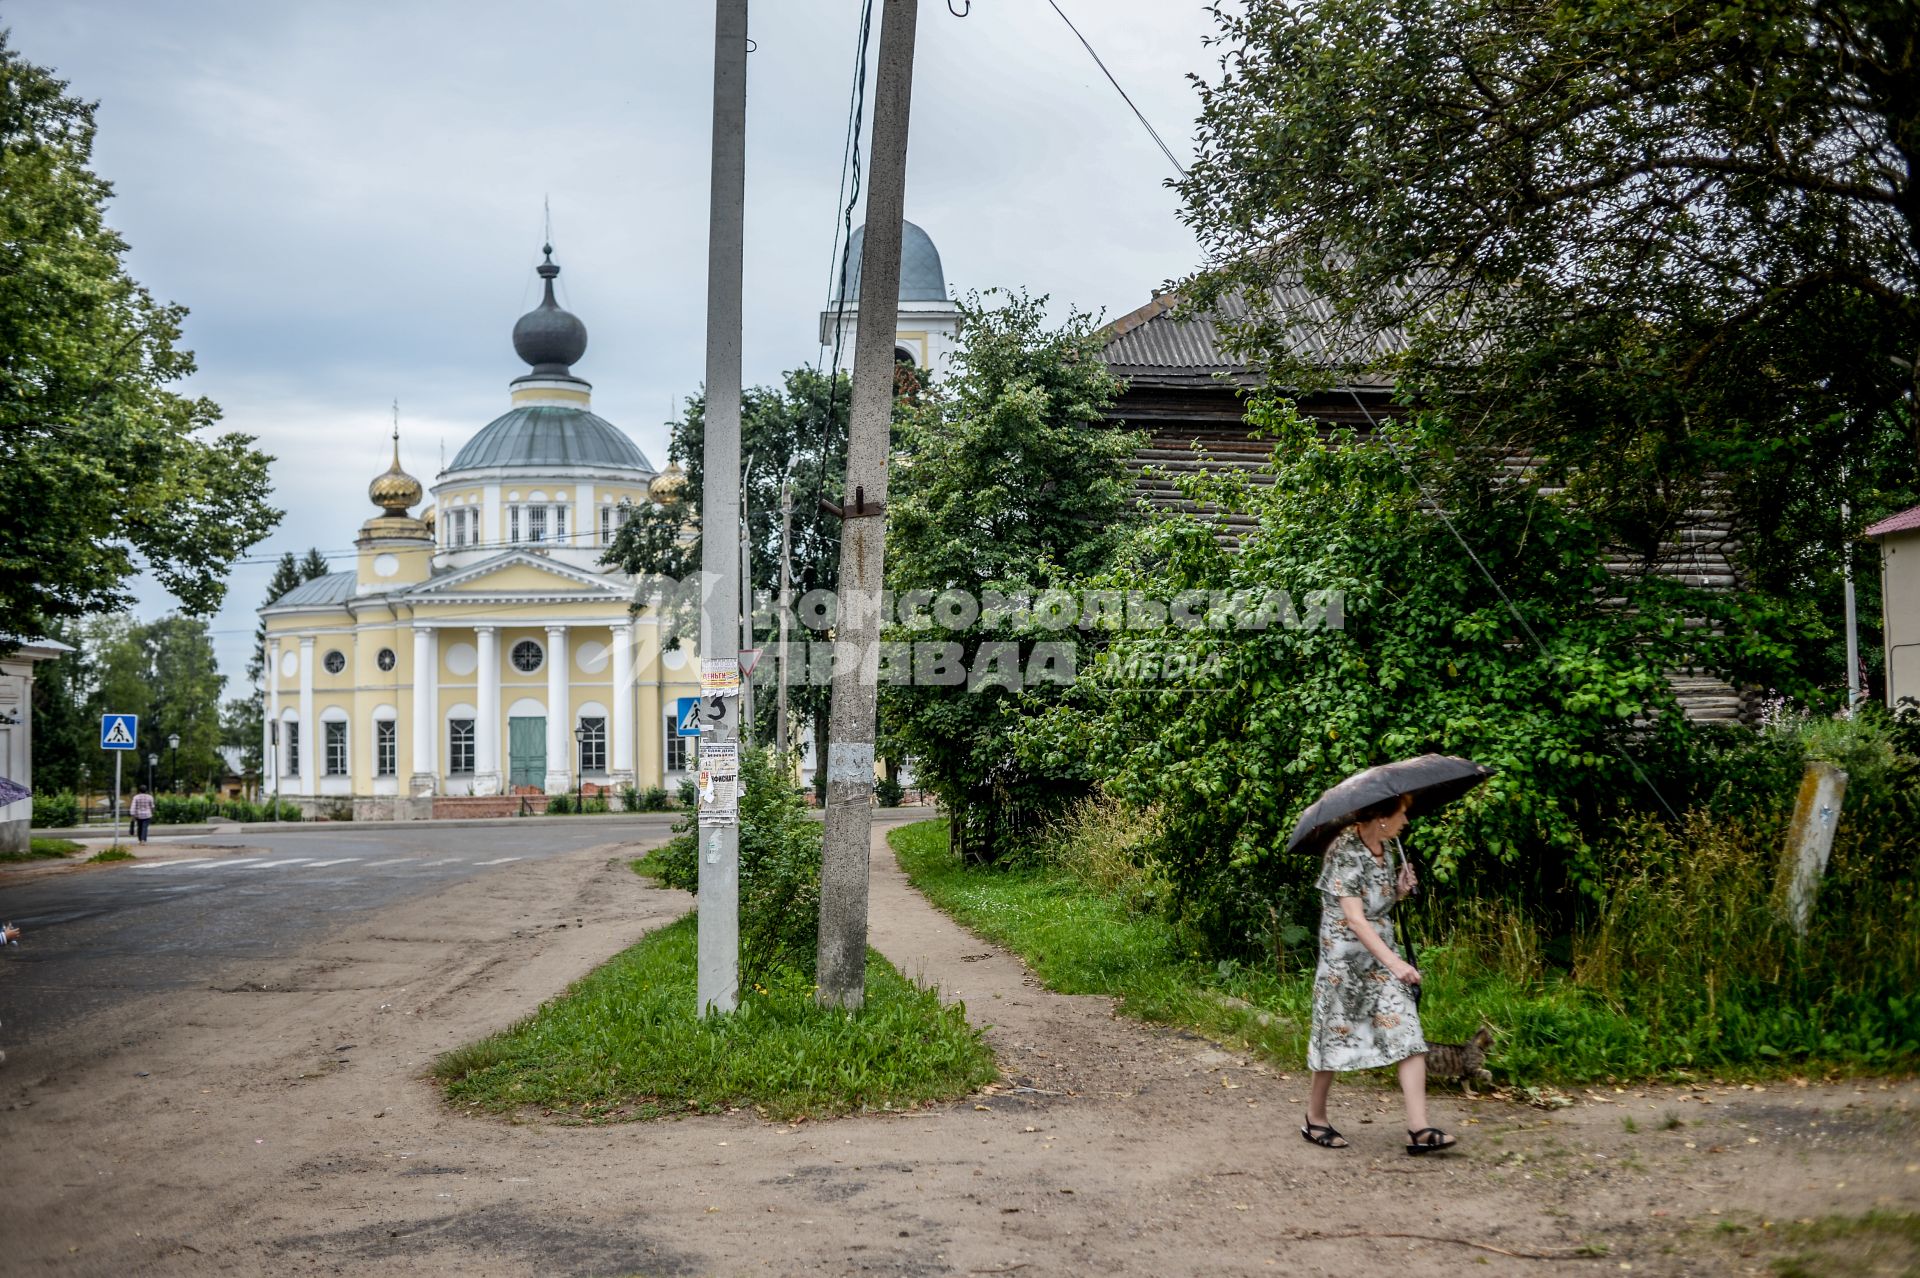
(1440, 509)
(1151, 131)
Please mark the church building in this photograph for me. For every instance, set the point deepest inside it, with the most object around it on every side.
(479, 651)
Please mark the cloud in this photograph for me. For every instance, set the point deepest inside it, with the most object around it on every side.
(348, 197)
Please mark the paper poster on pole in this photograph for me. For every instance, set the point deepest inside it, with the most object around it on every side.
(719, 677)
(718, 781)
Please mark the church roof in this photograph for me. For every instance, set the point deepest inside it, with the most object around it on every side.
(550, 435)
(334, 588)
(922, 279)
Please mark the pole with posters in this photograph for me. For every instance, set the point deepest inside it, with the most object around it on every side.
(717, 986)
(852, 722)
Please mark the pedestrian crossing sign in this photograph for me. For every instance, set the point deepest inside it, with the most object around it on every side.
(689, 717)
(119, 732)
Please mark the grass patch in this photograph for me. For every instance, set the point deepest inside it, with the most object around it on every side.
(1848, 1246)
(1080, 940)
(110, 854)
(42, 850)
(1093, 928)
(624, 1043)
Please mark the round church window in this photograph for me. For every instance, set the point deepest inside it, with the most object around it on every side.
(335, 661)
(527, 656)
(386, 659)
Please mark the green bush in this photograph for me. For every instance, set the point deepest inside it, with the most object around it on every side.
(887, 792)
(629, 797)
(652, 799)
(592, 805)
(560, 805)
(779, 871)
(686, 795)
(55, 811)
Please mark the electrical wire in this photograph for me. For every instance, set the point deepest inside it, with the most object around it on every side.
(1152, 132)
(1512, 608)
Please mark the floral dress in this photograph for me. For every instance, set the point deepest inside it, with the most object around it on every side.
(1362, 1017)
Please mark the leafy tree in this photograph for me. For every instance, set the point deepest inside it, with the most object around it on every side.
(1670, 250)
(1006, 480)
(65, 746)
(177, 661)
(1226, 732)
(103, 471)
(314, 566)
(796, 429)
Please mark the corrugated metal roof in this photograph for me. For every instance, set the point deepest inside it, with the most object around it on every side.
(334, 588)
(550, 435)
(1905, 521)
(1152, 342)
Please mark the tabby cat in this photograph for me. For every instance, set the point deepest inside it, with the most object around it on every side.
(1462, 1063)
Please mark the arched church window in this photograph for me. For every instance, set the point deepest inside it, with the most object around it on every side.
(527, 656)
(335, 661)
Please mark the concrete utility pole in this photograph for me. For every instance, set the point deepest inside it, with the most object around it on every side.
(856, 649)
(746, 603)
(786, 608)
(718, 982)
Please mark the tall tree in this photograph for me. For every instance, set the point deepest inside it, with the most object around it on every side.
(242, 720)
(796, 429)
(178, 663)
(1007, 479)
(103, 470)
(1672, 250)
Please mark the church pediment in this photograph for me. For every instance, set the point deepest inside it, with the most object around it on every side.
(519, 574)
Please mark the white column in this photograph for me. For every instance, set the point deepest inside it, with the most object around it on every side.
(274, 762)
(622, 726)
(560, 743)
(426, 670)
(486, 732)
(309, 745)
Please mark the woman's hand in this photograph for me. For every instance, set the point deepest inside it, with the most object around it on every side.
(1408, 880)
(1404, 972)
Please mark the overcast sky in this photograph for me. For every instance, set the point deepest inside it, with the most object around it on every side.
(347, 196)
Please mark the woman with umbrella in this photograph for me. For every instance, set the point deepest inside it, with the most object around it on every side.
(1365, 993)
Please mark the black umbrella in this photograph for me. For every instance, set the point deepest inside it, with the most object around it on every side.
(1433, 780)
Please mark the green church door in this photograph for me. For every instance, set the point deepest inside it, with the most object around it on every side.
(527, 752)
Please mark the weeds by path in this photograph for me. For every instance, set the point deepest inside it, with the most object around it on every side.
(1090, 926)
(624, 1043)
(42, 850)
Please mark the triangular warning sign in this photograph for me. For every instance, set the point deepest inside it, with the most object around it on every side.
(117, 735)
(749, 658)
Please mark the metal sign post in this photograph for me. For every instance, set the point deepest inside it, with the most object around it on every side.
(118, 733)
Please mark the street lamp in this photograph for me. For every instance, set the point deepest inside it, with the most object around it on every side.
(579, 766)
(173, 743)
(153, 761)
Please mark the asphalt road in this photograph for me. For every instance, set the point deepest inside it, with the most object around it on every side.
(92, 939)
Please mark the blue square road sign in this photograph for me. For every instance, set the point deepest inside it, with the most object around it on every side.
(119, 732)
(687, 717)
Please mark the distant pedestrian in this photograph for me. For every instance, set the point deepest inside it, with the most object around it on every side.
(142, 812)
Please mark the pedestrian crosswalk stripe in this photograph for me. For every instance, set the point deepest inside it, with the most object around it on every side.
(162, 865)
(342, 860)
(502, 861)
(228, 865)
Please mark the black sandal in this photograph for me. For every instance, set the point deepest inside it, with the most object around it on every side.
(1429, 1139)
(1326, 1135)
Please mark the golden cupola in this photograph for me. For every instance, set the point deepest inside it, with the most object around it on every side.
(395, 492)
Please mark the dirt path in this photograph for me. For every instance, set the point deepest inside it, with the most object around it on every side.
(234, 1130)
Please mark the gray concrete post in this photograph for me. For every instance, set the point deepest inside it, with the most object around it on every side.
(856, 657)
(718, 980)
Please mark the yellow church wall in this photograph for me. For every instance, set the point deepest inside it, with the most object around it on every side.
(514, 577)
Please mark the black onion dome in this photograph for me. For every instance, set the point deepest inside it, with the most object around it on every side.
(547, 337)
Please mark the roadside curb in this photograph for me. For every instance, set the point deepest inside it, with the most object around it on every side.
(649, 819)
